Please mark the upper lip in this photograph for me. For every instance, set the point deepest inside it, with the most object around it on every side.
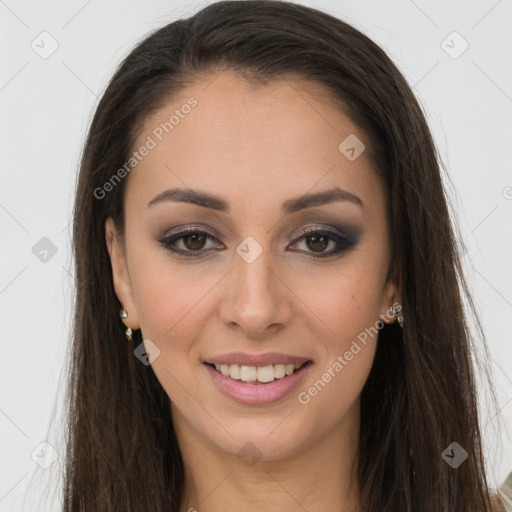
(247, 359)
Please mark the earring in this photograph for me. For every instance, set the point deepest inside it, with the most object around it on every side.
(399, 316)
(123, 314)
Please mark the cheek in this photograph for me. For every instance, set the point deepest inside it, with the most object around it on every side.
(344, 304)
(170, 312)
(346, 313)
(169, 298)
(349, 317)
(333, 392)
(174, 307)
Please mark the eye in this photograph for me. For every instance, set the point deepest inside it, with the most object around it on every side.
(317, 240)
(193, 240)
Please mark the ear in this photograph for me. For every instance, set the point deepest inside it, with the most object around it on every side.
(120, 274)
(392, 296)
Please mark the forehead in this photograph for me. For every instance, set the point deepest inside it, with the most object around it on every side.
(246, 141)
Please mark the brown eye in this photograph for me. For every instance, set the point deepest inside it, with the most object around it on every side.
(194, 242)
(317, 243)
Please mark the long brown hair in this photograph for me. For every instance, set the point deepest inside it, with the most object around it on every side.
(122, 452)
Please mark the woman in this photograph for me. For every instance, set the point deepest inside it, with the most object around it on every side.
(260, 212)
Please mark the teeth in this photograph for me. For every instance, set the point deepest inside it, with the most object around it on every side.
(279, 371)
(235, 371)
(248, 373)
(257, 373)
(266, 373)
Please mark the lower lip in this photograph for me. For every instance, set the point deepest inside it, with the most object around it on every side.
(258, 394)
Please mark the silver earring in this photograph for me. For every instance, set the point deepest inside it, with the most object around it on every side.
(398, 315)
(123, 314)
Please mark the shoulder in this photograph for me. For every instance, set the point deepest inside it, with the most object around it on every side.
(505, 492)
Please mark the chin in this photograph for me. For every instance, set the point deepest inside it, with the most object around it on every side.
(262, 440)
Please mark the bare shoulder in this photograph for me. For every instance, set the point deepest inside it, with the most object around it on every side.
(505, 493)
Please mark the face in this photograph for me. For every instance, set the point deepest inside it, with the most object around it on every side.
(260, 272)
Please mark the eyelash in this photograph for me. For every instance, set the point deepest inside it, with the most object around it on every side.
(344, 242)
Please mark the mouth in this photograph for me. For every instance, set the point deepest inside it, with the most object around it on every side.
(258, 385)
(258, 375)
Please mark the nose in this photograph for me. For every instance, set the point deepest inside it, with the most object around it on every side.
(258, 300)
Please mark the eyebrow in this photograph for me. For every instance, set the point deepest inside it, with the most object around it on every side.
(207, 200)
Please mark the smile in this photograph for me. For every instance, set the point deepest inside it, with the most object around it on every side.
(259, 374)
(257, 385)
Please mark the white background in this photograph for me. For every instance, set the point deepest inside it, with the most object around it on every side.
(46, 105)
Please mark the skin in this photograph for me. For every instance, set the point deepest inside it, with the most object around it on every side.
(257, 147)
